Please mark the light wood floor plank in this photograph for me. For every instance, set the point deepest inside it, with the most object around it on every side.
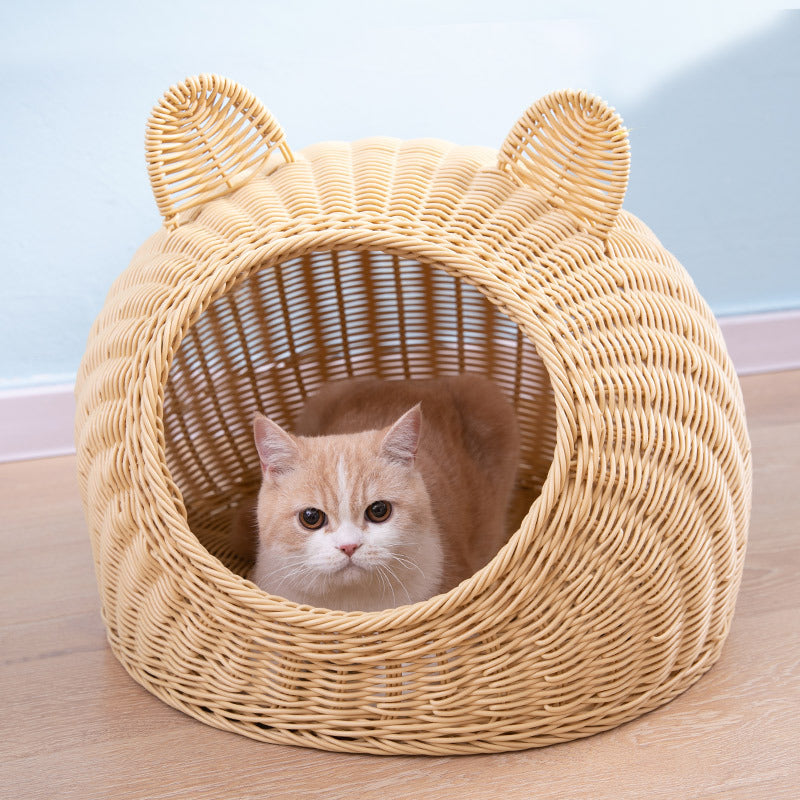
(75, 725)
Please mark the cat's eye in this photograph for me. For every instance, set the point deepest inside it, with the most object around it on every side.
(379, 511)
(312, 518)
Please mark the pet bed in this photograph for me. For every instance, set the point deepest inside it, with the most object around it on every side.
(276, 271)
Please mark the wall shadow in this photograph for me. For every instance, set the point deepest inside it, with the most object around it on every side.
(715, 162)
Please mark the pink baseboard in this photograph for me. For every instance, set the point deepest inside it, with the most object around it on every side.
(37, 422)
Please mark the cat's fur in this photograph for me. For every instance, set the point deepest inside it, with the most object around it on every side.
(443, 453)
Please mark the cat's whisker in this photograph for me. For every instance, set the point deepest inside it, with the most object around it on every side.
(379, 572)
(401, 583)
(294, 568)
(288, 569)
(388, 582)
(296, 563)
(407, 562)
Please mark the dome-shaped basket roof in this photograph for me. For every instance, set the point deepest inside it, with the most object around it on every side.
(276, 271)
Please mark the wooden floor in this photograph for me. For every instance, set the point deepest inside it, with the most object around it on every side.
(75, 725)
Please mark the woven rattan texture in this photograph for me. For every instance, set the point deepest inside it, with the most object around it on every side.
(207, 136)
(417, 258)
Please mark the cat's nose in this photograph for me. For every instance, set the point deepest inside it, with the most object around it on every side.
(349, 549)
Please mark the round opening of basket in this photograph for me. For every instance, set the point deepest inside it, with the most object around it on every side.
(287, 328)
(276, 272)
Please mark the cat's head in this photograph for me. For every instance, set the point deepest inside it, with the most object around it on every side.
(345, 521)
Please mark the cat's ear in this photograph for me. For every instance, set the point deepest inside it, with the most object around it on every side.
(402, 439)
(277, 449)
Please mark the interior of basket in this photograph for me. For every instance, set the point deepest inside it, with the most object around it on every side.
(279, 334)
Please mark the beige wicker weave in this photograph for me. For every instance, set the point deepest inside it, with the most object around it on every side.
(275, 272)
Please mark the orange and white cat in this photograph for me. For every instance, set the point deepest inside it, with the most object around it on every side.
(388, 493)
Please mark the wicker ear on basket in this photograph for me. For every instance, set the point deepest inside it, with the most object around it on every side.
(275, 272)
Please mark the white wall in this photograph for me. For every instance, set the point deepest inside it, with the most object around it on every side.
(711, 101)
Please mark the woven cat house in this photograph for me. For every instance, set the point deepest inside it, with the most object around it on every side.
(275, 272)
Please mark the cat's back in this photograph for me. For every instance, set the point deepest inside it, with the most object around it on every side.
(468, 406)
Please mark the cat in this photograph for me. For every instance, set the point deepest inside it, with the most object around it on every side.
(389, 492)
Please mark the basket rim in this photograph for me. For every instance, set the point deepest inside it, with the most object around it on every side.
(169, 505)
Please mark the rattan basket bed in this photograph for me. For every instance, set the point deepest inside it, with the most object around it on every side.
(275, 271)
